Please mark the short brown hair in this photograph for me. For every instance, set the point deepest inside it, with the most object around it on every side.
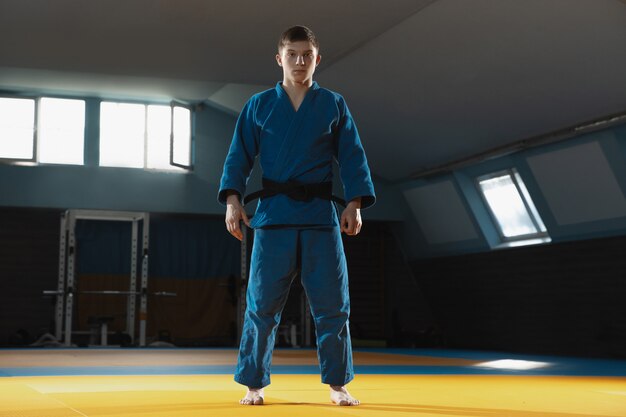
(298, 33)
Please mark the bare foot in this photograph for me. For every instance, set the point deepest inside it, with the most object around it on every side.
(254, 396)
(340, 396)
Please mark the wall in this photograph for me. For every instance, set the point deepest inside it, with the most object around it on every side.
(566, 298)
(29, 256)
(578, 186)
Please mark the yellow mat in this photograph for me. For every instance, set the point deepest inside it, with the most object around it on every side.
(142, 357)
(304, 395)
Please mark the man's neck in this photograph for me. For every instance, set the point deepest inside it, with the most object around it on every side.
(296, 92)
(297, 88)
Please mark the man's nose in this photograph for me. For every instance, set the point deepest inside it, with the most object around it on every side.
(300, 60)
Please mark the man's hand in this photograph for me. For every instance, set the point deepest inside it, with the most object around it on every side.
(351, 218)
(234, 214)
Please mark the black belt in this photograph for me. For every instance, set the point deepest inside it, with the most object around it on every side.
(296, 190)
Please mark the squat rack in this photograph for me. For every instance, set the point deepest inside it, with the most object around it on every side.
(67, 271)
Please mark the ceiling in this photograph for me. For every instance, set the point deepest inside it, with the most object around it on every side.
(428, 81)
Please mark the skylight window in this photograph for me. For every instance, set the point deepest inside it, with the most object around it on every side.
(144, 136)
(512, 208)
(17, 128)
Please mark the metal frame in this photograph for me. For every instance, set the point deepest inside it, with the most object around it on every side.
(67, 263)
(143, 307)
(173, 105)
(60, 301)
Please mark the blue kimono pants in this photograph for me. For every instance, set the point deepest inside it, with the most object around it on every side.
(277, 256)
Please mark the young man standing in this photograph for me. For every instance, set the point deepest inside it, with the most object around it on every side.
(297, 129)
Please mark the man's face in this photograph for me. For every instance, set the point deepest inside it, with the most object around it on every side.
(298, 60)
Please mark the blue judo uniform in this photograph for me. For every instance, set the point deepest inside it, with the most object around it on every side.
(293, 236)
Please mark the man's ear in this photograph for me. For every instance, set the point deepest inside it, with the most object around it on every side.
(279, 61)
(317, 61)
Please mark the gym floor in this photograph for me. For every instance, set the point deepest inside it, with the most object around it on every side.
(389, 382)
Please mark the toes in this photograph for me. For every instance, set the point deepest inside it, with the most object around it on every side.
(345, 401)
(251, 401)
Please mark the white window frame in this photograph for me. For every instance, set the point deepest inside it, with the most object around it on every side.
(541, 236)
(189, 167)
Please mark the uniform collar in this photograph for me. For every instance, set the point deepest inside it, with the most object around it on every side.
(281, 90)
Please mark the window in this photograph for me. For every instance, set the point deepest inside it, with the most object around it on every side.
(17, 129)
(512, 208)
(122, 134)
(52, 131)
(159, 131)
(181, 137)
(59, 136)
(145, 136)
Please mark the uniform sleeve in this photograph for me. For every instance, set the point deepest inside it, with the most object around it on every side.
(243, 149)
(353, 168)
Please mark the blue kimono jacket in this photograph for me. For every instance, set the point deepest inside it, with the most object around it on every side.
(297, 145)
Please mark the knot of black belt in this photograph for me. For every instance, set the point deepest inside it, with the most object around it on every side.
(295, 190)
